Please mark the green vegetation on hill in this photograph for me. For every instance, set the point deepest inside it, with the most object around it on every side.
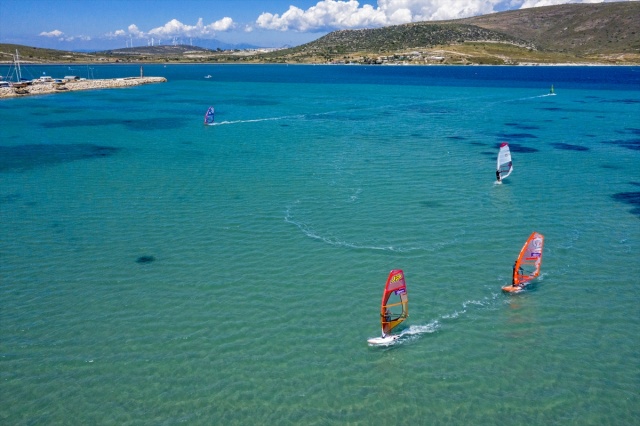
(580, 29)
(571, 33)
(369, 44)
(38, 55)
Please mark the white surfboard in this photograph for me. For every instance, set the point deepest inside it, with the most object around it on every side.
(383, 340)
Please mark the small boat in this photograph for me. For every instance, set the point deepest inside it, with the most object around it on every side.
(393, 309)
(209, 116)
(20, 88)
(207, 76)
(527, 266)
(504, 166)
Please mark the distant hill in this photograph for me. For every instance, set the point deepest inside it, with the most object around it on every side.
(408, 36)
(168, 53)
(397, 39)
(604, 32)
(163, 50)
(602, 28)
(38, 55)
(154, 50)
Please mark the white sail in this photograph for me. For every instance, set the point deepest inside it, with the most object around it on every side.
(504, 166)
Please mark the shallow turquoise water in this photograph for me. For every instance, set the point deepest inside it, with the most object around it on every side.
(272, 234)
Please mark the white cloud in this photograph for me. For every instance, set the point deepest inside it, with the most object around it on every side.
(76, 38)
(328, 15)
(341, 14)
(175, 28)
(54, 33)
(134, 31)
(62, 37)
(325, 15)
(224, 24)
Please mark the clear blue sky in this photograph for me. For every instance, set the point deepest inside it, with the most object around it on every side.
(110, 24)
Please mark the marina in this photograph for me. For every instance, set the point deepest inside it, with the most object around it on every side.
(15, 83)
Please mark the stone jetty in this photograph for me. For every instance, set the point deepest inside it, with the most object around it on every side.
(47, 87)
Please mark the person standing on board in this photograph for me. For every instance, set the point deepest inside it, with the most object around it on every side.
(513, 277)
(387, 319)
(498, 175)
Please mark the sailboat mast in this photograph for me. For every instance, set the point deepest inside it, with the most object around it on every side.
(19, 75)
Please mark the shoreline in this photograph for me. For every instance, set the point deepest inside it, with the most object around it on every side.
(46, 88)
(152, 63)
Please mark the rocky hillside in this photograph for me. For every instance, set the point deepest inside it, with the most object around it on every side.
(35, 54)
(403, 37)
(602, 28)
(604, 33)
(369, 44)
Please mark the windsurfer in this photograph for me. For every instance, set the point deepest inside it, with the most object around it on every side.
(519, 273)
(498, 175)
(386, 319)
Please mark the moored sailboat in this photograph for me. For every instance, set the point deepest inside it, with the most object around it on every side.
(20, 85)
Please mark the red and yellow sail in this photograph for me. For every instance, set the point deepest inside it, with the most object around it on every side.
(394, 307)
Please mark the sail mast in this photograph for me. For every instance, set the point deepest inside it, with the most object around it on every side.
(18, 70)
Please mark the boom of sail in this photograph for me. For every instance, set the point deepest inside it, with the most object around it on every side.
(504, 166)
(394, 307)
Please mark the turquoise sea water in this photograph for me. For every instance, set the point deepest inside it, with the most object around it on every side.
(157, 271)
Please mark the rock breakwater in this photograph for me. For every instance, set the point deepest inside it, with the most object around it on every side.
(45, 88)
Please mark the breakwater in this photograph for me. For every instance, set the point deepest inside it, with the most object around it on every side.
(45, 88)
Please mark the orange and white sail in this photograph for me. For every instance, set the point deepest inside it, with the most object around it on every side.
(527, 266)
(394, 307)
